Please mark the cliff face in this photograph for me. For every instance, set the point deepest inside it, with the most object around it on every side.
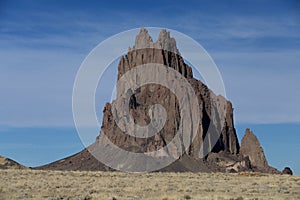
(146, 51)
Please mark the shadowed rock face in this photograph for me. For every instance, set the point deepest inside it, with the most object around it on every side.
(225, 155)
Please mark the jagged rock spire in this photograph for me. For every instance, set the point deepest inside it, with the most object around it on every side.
(251, 147)
(143, 40)
(164, 41)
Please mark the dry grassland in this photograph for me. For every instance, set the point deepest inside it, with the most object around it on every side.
(35, 184)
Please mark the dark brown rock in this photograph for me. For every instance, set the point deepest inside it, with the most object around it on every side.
(80, 161)
(251, 147)
(287, 170)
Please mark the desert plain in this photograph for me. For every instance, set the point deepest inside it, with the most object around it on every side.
(42, 184)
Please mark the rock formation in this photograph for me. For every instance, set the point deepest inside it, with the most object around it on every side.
(251, 147)
(157, 94)
(226, 154)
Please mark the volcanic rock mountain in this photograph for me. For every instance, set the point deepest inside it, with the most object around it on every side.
(225, 155)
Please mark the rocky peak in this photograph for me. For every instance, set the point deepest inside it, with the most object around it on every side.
(165, 42)
(251, 147)
(143, 40)
(163, 51)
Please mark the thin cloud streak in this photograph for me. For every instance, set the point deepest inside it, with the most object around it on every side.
(40, 57)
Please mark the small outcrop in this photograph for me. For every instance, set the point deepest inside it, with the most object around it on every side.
(287, 170)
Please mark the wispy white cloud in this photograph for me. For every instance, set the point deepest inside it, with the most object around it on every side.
(40, 57)
(263, 86)
(237, 27)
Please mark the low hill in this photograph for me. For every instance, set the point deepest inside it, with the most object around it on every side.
(6, 163)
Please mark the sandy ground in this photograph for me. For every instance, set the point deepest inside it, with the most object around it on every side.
(35, 184)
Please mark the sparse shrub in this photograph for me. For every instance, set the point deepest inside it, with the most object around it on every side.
(187, 196)
(87, 197)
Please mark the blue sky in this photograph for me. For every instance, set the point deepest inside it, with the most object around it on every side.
(255, 44)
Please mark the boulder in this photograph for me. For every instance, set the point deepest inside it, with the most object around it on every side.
(287, 170)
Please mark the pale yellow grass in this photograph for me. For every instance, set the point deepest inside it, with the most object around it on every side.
(34, 184)
(2, 160)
